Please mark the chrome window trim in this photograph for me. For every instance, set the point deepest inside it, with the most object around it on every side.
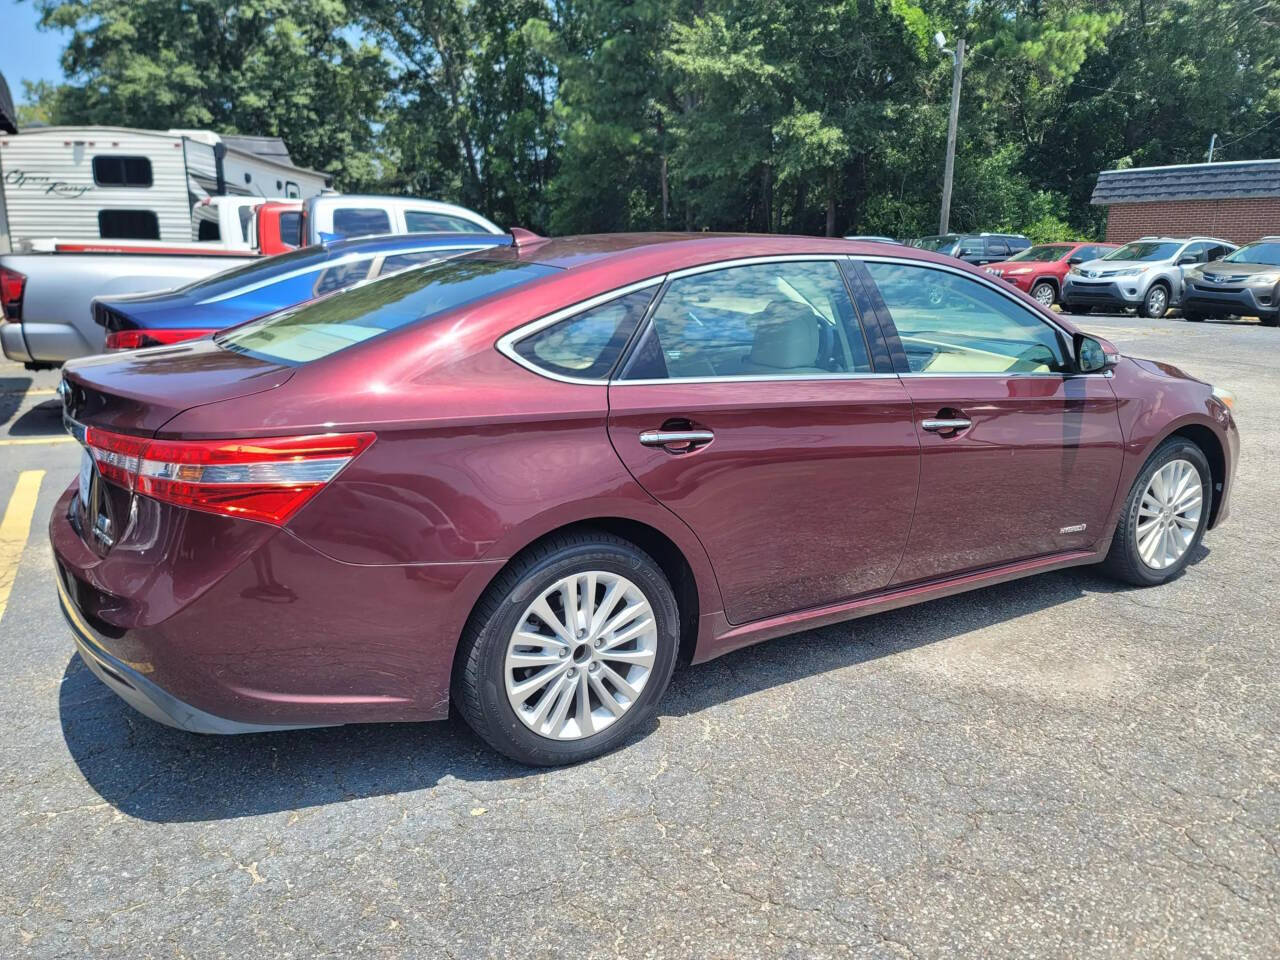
(753, 261)
(757, 378)
(506, 343)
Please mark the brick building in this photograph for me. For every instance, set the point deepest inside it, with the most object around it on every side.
(1238, 201)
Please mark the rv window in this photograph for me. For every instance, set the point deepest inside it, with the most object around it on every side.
(209, 231)
(122, 171)
(360, 221)
(291, 190)
(128, 225)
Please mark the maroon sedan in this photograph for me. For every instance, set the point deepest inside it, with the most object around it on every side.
(526, 481)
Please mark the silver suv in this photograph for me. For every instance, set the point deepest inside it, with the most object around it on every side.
(1244, 283)
(1147, 274)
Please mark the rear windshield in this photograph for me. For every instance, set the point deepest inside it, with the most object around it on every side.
(1265, 251)
(1043, 254)
(1144, 251)
(228, 280)
(322, 327)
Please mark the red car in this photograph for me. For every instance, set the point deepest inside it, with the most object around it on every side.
(527, 481)
(1040, 270)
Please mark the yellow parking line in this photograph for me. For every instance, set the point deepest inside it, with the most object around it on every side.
(32, 441)
(14, 529)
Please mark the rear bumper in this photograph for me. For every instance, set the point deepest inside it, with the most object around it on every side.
(218, 625)
(147, 698)
(13, 343)
(1240, 300)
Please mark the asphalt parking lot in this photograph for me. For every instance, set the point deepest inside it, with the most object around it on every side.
(1052, 767)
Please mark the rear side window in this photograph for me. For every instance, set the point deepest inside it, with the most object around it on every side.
(419, 221)
(342, 275)
(762, 321)
(587, 344)
(360, 221)
(323, 327)
(998, 248)
(128, 225)
(122, 171)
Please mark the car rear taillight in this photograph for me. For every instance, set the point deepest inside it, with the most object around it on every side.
(133, 339)
(12, 286)
(267, 479)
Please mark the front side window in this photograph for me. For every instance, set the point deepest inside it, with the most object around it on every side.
(128, 225)
(319, 328)
(953, 325)
(420, 221)
(791, 319)
(970, 248)
(360, 221)
(587, 345)
(291, 229)
(122, 171)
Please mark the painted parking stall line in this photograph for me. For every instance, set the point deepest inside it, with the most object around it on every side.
(15, 528)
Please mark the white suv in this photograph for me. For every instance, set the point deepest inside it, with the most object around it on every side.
(1146, 274)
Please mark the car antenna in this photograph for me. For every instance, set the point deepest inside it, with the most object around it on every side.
(525, 238)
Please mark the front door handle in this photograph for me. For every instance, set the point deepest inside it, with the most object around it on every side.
(677, 439)
(943, 425)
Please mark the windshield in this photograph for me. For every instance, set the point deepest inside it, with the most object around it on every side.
(264, 269)
(1265, 251)
(1144, 250)
(1041, 254)
(936, 244)
(322, 327)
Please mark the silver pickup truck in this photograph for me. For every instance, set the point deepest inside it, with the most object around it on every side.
(46, 296)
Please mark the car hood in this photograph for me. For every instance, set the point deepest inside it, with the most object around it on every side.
(1222, 268)
(141, 390)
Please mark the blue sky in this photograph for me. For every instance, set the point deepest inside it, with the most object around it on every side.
(25, 52)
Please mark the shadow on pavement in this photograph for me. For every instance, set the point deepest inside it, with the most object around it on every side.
(152, 772)
(42, 420)
(12, 392)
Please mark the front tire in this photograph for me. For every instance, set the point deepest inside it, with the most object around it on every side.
(1271, 321)
(568, 651)
(1156, 303)
(1193, 317)
(1044, 293)
(1164, 517)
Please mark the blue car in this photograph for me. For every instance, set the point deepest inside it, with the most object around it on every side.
(242, 293)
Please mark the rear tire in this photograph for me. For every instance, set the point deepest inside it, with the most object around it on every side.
(1141, 553)
(1156, 303)
(565, 717)
(1271, 321)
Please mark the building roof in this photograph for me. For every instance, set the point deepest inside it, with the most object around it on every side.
(1192, 181)
(269, 148)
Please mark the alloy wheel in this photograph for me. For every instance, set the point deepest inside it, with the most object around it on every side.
(580, 655)
(1043, 294)
(1157, 300)
(1169, 514)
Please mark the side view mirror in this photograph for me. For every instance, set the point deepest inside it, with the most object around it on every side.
(1092, 356)
(1183, 261)
(1075, 260)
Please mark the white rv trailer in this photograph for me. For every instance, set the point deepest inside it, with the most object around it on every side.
(114, 183)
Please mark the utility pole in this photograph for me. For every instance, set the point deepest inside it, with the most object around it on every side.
(957, 57)
(1213, 142)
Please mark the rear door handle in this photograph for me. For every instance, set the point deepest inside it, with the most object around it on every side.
(941, 425)
(679, 438)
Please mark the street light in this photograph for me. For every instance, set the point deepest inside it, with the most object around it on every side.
(957, 58)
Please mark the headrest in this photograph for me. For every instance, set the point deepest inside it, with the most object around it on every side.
(786, 336)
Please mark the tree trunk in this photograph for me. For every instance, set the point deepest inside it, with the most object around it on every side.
(666, 195)
(831, 203)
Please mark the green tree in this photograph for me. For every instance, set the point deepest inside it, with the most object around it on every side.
(288, 68)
